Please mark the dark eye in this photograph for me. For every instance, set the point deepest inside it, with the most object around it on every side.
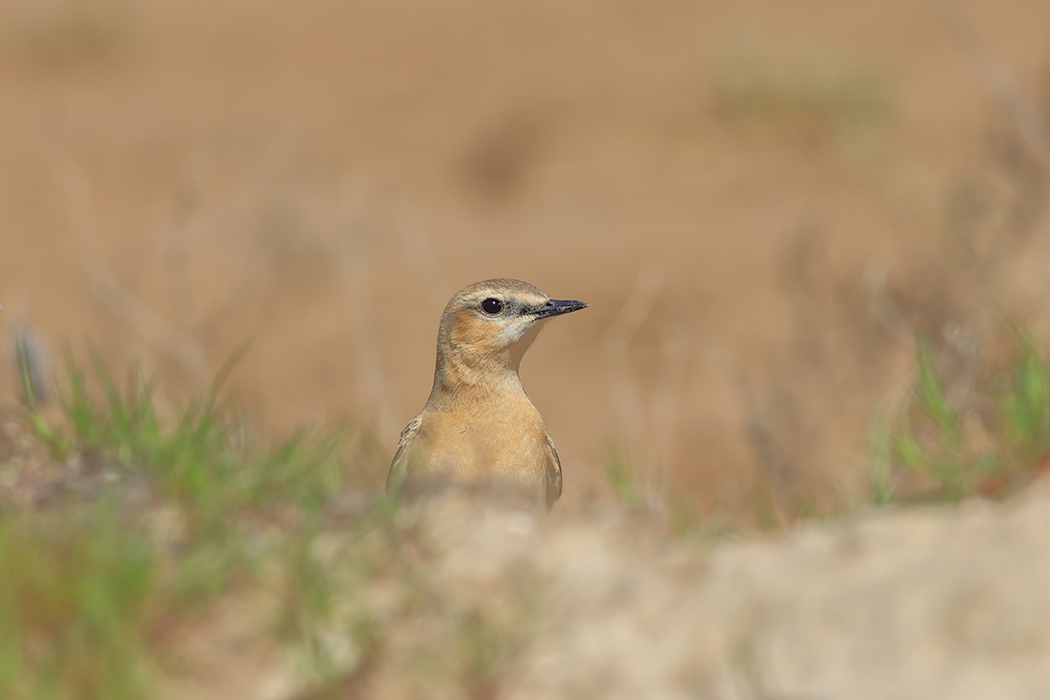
(492, 306)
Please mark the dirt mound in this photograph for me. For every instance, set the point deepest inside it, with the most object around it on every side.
(925, 603)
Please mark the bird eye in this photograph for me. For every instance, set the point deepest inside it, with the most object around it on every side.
(492, 306)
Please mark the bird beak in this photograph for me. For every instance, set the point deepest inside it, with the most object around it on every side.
(557, 307)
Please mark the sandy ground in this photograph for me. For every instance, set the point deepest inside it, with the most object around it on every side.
(939, 602)
(318, 178)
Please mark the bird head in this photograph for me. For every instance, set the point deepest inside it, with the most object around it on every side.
(488, 326)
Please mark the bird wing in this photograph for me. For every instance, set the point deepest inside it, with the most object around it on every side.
(395, 478)
(553, 473)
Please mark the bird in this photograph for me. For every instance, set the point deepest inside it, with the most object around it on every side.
(479, 427)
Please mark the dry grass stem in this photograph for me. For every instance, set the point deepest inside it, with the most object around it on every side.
(174, 245)
(422, 257)
(112, 295)
(371, 376)
(997, 81)
(649, 429)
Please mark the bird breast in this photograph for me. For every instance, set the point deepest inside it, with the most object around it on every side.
(503, 438)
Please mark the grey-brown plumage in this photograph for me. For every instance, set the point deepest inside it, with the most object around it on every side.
(479, 427)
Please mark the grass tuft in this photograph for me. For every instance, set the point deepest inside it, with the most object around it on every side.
(76, 604)
(992, 440)
(160, 520)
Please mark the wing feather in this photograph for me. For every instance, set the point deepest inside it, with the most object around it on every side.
(395, 478)
(554, 481)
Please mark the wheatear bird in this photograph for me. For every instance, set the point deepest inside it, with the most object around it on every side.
(478, 426)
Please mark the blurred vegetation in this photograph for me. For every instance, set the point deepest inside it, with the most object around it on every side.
(986, 436)
(70, 33)
(989, 439)
(79, 600)
(145, 524)
(817, 98)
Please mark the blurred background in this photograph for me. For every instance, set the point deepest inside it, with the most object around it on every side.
(763, 202)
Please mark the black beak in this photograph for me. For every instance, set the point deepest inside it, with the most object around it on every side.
(557, 307)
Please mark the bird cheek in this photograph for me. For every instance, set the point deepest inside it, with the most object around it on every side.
(467, 331)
